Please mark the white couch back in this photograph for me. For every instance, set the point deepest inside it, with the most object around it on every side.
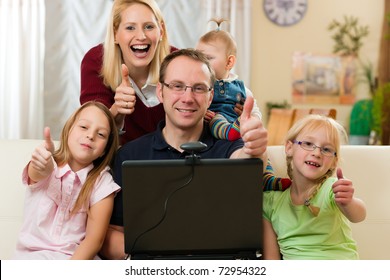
(367, 166)
(15, 155)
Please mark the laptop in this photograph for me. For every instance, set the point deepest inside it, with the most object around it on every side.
(193, 209)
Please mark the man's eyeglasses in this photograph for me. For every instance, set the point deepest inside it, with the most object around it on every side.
(309, 146)
(180, 88)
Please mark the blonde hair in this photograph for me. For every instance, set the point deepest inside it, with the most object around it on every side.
(112, 57)
(335, 132)
(63, 155)
(222, 36)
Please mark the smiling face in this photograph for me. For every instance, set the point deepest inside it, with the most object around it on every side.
(185, 111)
(88, 137)
(311, 164)
(138, 35)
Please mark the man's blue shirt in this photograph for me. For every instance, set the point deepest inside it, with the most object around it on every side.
(152, 146)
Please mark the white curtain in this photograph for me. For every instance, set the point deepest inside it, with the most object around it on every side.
(22, 47)
(72, 28)
(187, 20)
(43, 42)
(238, 12)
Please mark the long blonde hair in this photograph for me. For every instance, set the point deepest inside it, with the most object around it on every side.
(63, 155)
(112, 56)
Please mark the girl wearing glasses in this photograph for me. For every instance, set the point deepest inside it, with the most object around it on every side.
(311, 219)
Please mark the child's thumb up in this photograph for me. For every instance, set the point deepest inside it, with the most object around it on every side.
(49, 144)
(340, 174)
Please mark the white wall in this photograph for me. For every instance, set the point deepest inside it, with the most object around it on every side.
(272, 46)
(73, 26)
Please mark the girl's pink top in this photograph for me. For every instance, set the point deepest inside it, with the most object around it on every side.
(48, 224)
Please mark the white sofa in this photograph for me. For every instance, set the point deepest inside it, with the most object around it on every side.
(367, 166)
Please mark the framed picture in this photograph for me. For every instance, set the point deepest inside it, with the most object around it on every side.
(323, 79)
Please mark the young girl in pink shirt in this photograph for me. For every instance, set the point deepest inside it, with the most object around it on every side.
(70, 191)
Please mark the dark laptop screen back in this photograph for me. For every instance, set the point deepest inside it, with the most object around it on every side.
(174, 208)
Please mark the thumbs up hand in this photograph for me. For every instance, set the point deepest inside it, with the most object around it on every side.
(343, 189)
(125, 94)
(253, 133)
(42, 162)
(49, 144)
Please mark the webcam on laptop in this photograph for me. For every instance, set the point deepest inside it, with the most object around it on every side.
(193, 148)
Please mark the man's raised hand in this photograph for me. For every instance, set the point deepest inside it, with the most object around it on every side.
(252, 131)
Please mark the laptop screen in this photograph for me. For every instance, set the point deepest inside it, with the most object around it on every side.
(211, 208)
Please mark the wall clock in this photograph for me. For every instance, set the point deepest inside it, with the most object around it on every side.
(285, 12)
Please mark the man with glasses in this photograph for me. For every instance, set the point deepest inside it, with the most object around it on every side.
(185, 90)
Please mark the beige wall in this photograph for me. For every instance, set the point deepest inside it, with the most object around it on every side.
(272, 46)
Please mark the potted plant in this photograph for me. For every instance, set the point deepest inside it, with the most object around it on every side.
(381, 113)
(348, 35)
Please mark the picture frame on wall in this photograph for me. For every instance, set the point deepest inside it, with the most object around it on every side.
(323, 78)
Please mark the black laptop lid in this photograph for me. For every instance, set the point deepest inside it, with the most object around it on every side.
(213, 207)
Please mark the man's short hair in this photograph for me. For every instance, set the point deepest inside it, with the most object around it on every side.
(190, 53)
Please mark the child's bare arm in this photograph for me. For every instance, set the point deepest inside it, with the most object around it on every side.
(114, 244)
(97, 224)
(271, 246)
